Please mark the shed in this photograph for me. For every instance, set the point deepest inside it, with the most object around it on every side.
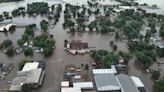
(65, 84)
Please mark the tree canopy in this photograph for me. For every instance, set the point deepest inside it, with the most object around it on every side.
(159, 85)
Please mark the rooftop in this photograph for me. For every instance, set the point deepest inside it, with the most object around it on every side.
(105, 71)
(126, 83)
(106, 82)
(30, 66)
(30, 77)
(65, 84)
(78, 45)
(70, 90)
(83, 85)
(137, 82)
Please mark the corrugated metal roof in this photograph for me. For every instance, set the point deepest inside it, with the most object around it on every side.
(83, 85)
(137, 82)
(126, 83)
(105, 71)
(106, 82)
(70, 90)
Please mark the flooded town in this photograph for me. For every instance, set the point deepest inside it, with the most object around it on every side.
(81, 46)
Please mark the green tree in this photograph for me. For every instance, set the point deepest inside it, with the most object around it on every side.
(37, 8)
(117, 36)
(159, 85)
(26, 88)
(115, 47)
(86, 67)
(10, 51)
(155, 75)
(48, 51)
(21, 63)
(44, 25)
(7, 43)
(29, 31)
(20, 42)
(25, 37)
(162, 32)
(146, 58)
(28, 51)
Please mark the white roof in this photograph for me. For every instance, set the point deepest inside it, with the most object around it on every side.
(109, 88)
(2, 28)
(77, 77)
(105, 71)
(65, 84)
(83, 85)
(70, 90)
(8, 26)
(137, 82)
(34, 76)
(30, 66)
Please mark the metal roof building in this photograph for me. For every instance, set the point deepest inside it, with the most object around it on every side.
(83, 85)
(70, 90)
(105, 71)
(126, 83)
(107, 82)
(30, 77)
(138, 83)
(30, 66)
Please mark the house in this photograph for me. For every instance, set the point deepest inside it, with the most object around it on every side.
(6, 27)
(126, 84)
(78, 45)
(32, 73)
(33, 77)
(138, 83)
(107, 83)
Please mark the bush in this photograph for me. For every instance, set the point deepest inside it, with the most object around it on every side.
(28, 51)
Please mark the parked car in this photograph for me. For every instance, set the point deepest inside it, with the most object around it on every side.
(2, 66)
(19, 50)
(8, 68)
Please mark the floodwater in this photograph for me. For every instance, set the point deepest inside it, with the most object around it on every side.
(159, 3)
(60, 58)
